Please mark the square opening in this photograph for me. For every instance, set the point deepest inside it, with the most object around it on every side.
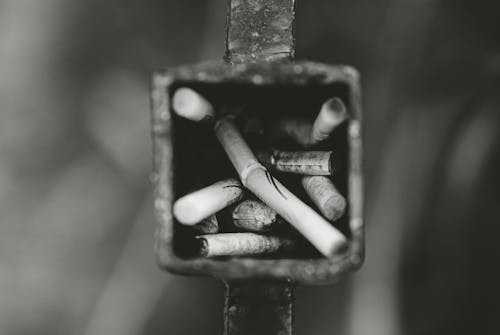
(199, 159)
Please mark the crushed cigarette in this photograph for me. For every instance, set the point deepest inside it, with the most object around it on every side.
(242, 244)
(254, 215)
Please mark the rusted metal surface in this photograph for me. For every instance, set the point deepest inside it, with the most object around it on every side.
(259, 41)
(255, 307)
(258, 307)
(259, 30)
(341, 79)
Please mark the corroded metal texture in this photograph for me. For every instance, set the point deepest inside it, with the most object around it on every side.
(259, 30)
(259, 292)
(255, 307)
(297, 74)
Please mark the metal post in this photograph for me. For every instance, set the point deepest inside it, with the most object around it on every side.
(259, 30)
(256, 31)
(258, 307)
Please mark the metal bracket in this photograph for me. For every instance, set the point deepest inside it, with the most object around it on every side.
(259, 50)
(259, 30)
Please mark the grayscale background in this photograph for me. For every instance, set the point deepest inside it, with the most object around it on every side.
(76, 219)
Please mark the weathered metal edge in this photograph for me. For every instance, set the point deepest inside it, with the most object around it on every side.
(313, 271)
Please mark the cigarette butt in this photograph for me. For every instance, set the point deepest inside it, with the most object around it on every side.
(314, 163)
(333, 112)
(324, 194)
(209, 225)
(253, 215)
(242, 244)
(191, 105)
(194, 207)
(322, 235)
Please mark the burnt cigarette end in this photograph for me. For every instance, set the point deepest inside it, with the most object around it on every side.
(337, 108)
(339, 248)
(209, 225)
(266, 158)
(203, 248)
(242, 244)
(331, 167)
(253, 215)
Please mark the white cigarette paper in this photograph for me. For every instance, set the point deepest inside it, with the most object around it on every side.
(333, 112)
(194, 207)
(324, 195)
(254, 215)
(191, 105)
(242, 244)
(326, 238)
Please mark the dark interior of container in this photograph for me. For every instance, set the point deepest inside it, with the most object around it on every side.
(199, 159)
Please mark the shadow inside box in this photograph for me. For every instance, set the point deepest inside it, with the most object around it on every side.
(199, 159)
(189, 156)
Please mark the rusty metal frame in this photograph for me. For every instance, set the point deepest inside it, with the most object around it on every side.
(305, 271)
(259, 47)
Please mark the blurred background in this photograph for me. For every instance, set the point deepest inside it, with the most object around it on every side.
(76, 218)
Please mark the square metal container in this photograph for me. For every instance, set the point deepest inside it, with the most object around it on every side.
(302, 86)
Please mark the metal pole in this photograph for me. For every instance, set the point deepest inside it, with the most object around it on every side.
(258, 307)
(257, 31)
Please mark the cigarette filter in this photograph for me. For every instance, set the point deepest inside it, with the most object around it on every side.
(242, 244)
(191, 105)
(315, 163)
(324, 194)
(326, 238)
(196, 206)
(333, 112)
(253, 215)
(209, 225)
